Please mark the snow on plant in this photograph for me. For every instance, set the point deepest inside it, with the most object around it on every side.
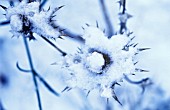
(101, 62)
(26, 19)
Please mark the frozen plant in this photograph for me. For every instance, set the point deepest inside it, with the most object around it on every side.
(101, 62)
(27, 18)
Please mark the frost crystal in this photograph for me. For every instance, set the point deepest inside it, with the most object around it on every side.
(35, 21)
(101, 62)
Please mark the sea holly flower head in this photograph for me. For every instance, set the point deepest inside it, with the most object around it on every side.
(27, 18)
(101, 62)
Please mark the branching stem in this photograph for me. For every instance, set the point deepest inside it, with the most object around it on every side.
(33, 72)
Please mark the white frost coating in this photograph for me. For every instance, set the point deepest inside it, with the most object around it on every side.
(100, 63)
(38, 20)
(95, 61)
(94, 37)
(119, 41)
(23, 9)
(107, 92)
(16, 23)
(41, 26)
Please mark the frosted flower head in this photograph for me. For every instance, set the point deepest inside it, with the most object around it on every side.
(101, 62)
(26, 19)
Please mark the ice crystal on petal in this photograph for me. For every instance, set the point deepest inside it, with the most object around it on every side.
(101, 62)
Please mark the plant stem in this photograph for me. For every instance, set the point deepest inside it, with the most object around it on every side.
(61, 51)
(33, 72)
(124, 7)
(106, 18)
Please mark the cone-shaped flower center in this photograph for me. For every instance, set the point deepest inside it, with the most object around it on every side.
(95, 62)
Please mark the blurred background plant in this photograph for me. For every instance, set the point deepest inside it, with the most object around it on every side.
(149, 24)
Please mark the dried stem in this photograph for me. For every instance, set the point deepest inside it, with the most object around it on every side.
(143, 83)
(4, 23)
(106, 18)
(123, 24)
(40, 78)
(70, 34)
(1, 106)
(124, 7)
(136, 82)
(48, 41)
(33, 73)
